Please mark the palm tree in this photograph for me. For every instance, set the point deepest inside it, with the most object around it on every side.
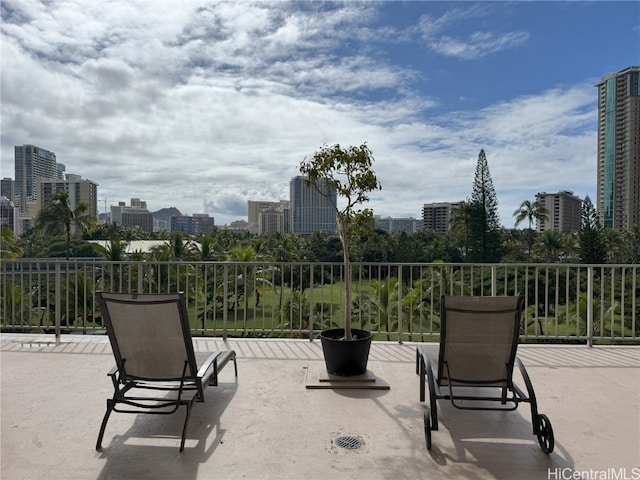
(251, 278)
(59, 217)
(204, 249)
(461, 223)
(552, 243)
(530, 211)
(114, 250)
(8, 247)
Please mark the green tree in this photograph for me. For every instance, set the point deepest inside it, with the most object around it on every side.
(349, 173)
(57, 217)
(612, 240)
(630, 246)
(485, 225)
(592, 248)
(530, 211)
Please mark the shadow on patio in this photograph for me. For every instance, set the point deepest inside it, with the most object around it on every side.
(267, 425)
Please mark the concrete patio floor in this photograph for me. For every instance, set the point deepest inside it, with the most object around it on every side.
(267, 425)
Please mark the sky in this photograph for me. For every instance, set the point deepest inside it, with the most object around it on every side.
(205, 105)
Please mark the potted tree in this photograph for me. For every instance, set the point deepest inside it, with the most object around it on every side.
(347, 172)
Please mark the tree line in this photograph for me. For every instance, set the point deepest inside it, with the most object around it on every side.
(475, 236)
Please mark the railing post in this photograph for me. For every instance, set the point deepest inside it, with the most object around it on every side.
(590, 306)
(56, 307)
(399, 303)
(310, 325)
(140, 276)
(494, 280)
(225, 299)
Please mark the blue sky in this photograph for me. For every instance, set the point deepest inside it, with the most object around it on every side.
(205, 105)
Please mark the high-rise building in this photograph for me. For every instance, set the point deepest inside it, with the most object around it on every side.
(310, 210)
(31, 163)
(563, 212)
(81, 191)
(618, 188)
(437, 216)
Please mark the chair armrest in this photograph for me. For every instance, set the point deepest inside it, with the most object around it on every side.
(113, 371)
(218, 360)
(211, 360)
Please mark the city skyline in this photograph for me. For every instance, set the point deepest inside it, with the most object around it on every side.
(220, 104)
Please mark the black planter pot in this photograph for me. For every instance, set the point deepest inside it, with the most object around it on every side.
(346, 357)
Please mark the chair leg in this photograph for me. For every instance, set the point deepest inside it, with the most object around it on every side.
(184, 428)
(103, 426)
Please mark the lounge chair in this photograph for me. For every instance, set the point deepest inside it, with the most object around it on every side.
(478, 343)
(156, 370)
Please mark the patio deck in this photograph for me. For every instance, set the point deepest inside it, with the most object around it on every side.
(267, 425)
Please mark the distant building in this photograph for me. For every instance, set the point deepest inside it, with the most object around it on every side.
(437, 216)
(237, 226)
(192, 225)
(81, 191)
(311, 211)
(8, 188)
(160, 225)
(268, 217)
(564, 211)
(618, 188)
(8, 215)
(32, 163)
(134, 215)
(393, 225)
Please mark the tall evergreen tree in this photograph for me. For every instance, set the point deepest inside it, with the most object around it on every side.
(591, 237)
(484, 245)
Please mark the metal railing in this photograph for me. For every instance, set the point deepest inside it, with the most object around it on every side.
(398, 302)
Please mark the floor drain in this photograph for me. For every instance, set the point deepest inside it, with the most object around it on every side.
(349, 442)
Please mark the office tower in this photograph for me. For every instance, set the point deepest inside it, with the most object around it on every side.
(81, 191)
(31, 163)
(563, 212)
(311, 211)
(437, 216)
(618, 188)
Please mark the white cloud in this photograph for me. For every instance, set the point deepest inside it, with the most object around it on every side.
(212, 104)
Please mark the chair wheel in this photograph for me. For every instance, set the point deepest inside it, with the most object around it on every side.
(427, 428)
(545, 434)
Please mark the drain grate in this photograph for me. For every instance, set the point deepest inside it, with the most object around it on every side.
(349, 442)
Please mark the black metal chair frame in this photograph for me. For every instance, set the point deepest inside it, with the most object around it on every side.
(188, 388)
(511, 394)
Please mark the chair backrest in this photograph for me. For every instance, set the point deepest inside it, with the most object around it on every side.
(478, 339)
(150, 334)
